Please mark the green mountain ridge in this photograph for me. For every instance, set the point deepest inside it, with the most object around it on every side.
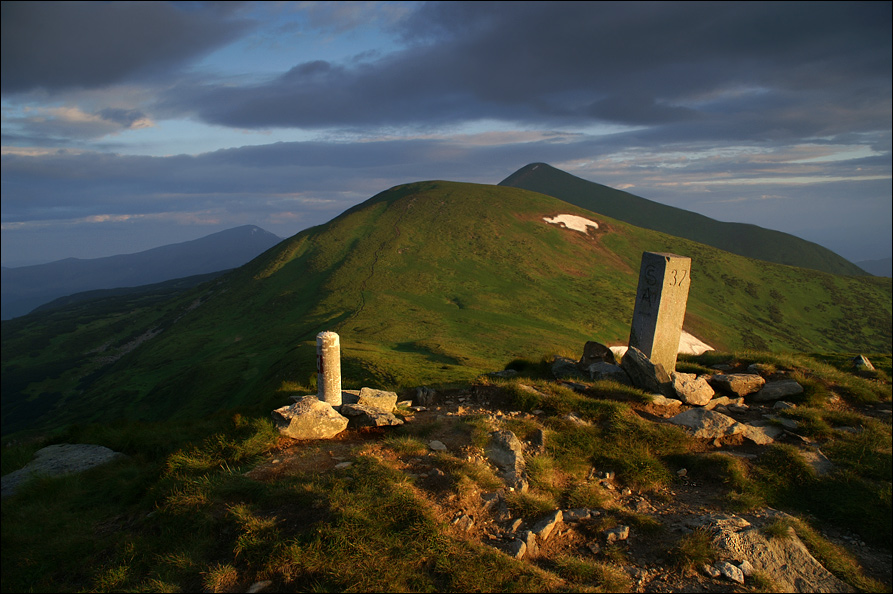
(743, 239)
(427, 283)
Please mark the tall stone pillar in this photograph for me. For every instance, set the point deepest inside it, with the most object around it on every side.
(661, 298)
(328, 367)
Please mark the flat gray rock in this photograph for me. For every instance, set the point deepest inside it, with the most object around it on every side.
(777, 391)
(707, 424)
(58, 460)
(309, 418)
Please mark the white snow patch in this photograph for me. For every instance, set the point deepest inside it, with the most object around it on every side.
(688, 345)
(572, 222)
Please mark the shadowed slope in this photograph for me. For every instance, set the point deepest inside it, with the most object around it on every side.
(739, 238)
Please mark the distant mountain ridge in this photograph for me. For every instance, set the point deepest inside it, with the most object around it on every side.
(28, 287)
(881, 267)
(743, 239)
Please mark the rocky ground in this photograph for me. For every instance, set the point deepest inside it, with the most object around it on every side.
(663, 516)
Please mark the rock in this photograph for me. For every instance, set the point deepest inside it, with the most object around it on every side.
(538, 442)
(380, 399)
(607, 371)
(437, 446)
(661, 400)
(740, 384)
(595, 352)
(710, 571)
(777, 391)
(516, 548)
(746, 568)
(425, 396)
(578, 514)
(759, 369)
(563, 368)
(463, 523)
(692, 389)
(505, 373)
(784, 422)
(506, 451)
(309, 418)
(59, 460)
(785, 561)
(618, 533)
(862, 363)
(707, 424)
(762, 434)
(723, 401)
(360, 415)
(543, 529)
(259, 586)
(731, 572)
(819, 462)
(529, 539)
(782, 405)
(646, 375)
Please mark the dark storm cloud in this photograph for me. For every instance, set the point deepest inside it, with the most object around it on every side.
(62, 45)
(572, 63)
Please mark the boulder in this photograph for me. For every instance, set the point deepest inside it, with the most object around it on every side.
(595, 352)
(309, 418)
(380, 399)
(58, 460)
(506, 451)
(784, 560)
(692, 389)
(607, 371)
(762, 434)
(740, 384)
(543, 529)
(648, 376)
(361, 415)
(708, 424)
(861, 363)
(425, 396)
(564, 368)
(777, 391)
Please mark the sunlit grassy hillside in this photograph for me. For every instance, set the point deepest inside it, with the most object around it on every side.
(432, 282)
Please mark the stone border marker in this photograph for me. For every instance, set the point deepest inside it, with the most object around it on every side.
(328, 368)
(661, 298)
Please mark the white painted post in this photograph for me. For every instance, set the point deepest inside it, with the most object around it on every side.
(328, 368)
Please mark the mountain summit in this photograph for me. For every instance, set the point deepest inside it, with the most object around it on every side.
(739, 238)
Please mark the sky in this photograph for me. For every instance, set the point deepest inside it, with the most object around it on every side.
(129, 125)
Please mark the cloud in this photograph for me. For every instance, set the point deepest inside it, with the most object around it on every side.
(574, 63)
(61, 45)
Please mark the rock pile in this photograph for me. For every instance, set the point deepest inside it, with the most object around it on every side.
(311, 418)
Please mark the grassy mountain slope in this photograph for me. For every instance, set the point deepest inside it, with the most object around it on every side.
(432, 282)
(739, 238)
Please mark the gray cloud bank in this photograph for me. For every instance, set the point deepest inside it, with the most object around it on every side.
(763, 81)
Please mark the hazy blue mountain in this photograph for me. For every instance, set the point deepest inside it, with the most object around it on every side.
(739, 238)
(882, 267)
(28, 287)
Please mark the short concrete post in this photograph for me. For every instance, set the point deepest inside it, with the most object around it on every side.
(661, 297)
(328, 368)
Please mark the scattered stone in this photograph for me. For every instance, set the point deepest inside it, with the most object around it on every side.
(782, 405)
(740, 384)
(573, 418)
(529, 538)
(543, 529)
(59, 460)
(783, 421)
(762, 434)
(595, 352)
(746, 568)
(404, 404)
(862, 363)
(710, 571)
(425, 396)
(463, 523)
(309, 418)
(607, 371)
(661, 400)
(731, 572)
(692, 389)
(618, 533)
(707, 424)
(594, 547)
(437, 446)
(646, 375)
(538, 441)
(515, 525)
(759, 368)
(778, 390)
(505, 373)
(343, 465)
(506, 451)
(578, 514)
(516, 548)
(361, 415)
(380, 399)
(723, 401)
(819, 462)
(259, 586)
(681, 472)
